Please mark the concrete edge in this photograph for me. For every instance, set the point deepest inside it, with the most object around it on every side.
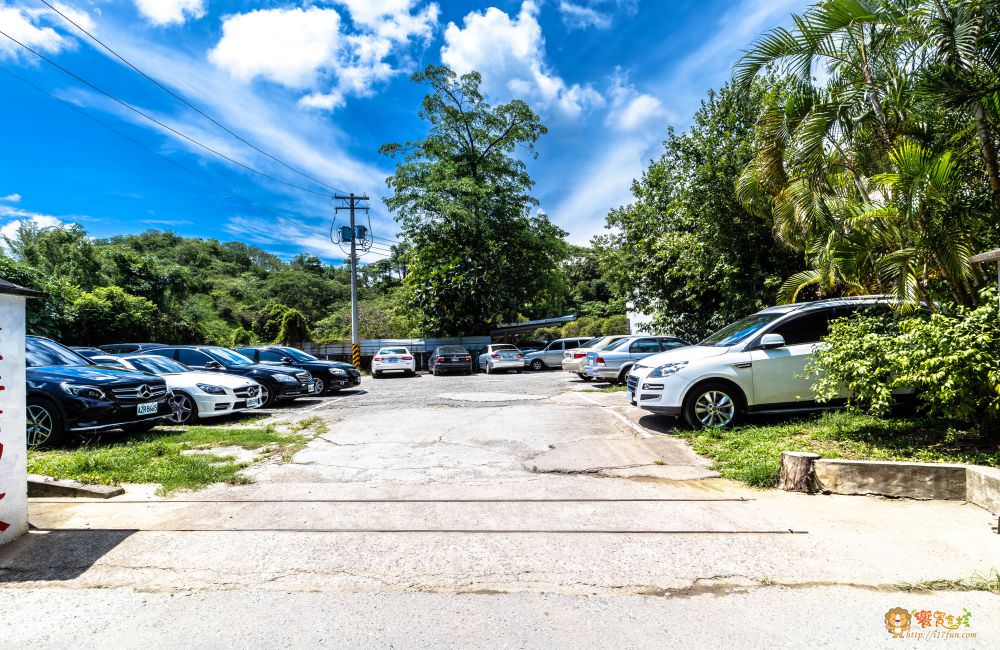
(974, 484)
(46, 486)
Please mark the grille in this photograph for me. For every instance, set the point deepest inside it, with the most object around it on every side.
(139, 393)
(303, 378)
(247, 391)
(633, 383)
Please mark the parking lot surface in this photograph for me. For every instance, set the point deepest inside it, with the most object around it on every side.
(434, 510)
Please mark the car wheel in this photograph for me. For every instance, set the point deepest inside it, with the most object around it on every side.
(489, 369)
(266, 396)
(44, 424)
(376, 374)
(185, 411)
(623, 375)
(584, 377)
(537, 364)
(714, 405)
(320, 386)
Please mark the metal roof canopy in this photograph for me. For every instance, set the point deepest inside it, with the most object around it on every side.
(11, 289)
(531, 325)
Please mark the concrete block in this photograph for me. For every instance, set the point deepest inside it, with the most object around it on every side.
(910, 480)
(46, 486)
(982, 487)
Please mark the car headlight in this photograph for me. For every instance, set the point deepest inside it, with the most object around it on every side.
(338, 372)
(285, 379)
(80, 390)
(667, 369)
(212, 389)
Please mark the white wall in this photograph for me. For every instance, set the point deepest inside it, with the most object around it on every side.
(13, 459)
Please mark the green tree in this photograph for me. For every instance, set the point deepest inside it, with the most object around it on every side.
(479, 256)
(242, 337)
(294, 328)
(110, 314)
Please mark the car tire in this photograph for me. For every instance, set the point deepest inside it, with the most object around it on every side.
(489, 370)
(321, 388)
(712, 405)
(623, 376)
(44, 424)
(376, 374)
(584, 377)
(184, 408)
(267, 396)
(537, 364)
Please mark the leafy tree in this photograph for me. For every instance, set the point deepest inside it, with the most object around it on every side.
(686, 250)
(294, 328)
(242, 337)
(110, 314)
(479, 256)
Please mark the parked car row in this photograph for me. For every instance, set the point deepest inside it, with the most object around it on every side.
(135, 386)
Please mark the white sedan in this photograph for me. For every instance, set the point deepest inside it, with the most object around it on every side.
(195, 394)
(393, 360)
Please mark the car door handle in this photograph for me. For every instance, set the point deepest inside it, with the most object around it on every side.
(744, 364)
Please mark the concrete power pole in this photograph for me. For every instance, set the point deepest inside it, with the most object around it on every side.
(353, 234)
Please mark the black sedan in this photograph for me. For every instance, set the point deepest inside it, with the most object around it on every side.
(329, 376)
(67, 394)
(450, 358)
(275, 383)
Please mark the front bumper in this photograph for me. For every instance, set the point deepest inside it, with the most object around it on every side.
(101, 415)
(292, 391)
(660, 395)
(340, 381)
(210, 406)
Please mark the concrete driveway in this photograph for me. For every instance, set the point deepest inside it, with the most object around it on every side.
(501, 511)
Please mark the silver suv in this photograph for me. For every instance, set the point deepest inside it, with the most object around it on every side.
(551, 355)
(614, 362)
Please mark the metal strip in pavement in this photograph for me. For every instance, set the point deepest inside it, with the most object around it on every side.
(349, 501)
(463, 531)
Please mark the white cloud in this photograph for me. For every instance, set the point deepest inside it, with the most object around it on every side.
(582, 14)
(11, 198)
(17, 217)
(170, 12)
(22, 25)
(632, 111)
(287, 46)
(313, 50)
(510, 54)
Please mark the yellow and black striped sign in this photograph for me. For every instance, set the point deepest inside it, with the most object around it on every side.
(356, 355)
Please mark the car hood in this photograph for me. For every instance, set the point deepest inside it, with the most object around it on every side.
(322, 363)
(85, 374)
(189, 379)
(689, 353)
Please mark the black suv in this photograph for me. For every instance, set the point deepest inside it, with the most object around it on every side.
(68, 394)
(329, 376)
(275, 383)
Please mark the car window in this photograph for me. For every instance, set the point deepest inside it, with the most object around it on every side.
(110, 362)
(228, 357)
(298, 355)
(810, 328)
(393, 351)
(741, 330)
(644, 346)
(40, 353)
(192, 357)
(503, 346)
(271, 355)
(612, 343)
(591, 343)
(671, 344)
(158, 365)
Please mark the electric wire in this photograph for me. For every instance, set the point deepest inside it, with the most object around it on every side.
(158, 122)
(184, 101)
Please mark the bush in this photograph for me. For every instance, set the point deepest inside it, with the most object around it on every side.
(110, 314)
(294, 328)
(241, 338)
(951, 361)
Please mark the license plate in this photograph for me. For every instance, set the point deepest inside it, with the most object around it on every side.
(393, 360)
(253, 402)
(149, 408)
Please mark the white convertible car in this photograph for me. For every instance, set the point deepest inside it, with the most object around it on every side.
(195, 394)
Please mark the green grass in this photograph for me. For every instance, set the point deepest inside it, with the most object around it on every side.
(155, 457)
(614, 388)
(979, 582)
(751, 453)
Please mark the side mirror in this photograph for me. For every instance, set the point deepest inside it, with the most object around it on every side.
(772, 341)
(286, 360)
(213, 364)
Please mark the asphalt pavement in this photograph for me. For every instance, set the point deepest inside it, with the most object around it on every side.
(494, 511)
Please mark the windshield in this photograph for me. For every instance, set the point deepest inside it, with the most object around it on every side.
(158, 365)
(740, 331)
(505, 346)
(592, 342)
(298, 355)
(611, 342)
(40, 353)
(228, 357)
(393, 351)
(452, 349)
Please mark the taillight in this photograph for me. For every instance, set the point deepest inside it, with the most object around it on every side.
(579, 355)
(439, 360)
(378, 359)
(520, 356)
(495, 356)
(407, 358)
(600, 360)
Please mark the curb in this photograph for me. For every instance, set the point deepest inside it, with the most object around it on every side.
(46, 486)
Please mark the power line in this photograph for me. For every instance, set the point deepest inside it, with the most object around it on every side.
(158, 122)
(184, 101)
(139, 144)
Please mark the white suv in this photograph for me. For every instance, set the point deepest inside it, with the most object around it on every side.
(755, 365)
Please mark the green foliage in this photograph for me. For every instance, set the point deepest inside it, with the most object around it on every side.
(686, 250)
(242, 338)
(111, 314)
(294, 328)
(952, 362)
(479, 257)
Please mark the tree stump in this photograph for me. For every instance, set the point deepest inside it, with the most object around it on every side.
(797, 471)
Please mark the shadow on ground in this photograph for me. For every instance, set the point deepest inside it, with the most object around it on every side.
(57, 555)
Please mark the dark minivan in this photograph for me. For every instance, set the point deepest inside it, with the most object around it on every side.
(68, 394)
(450, 358)
(275, 383)
(329, 376)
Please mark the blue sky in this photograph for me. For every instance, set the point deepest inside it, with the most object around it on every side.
(321, 85)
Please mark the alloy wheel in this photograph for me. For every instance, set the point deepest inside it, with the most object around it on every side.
(182, 408)
(40, 425)
(320, 386)
(537, 364)
(715, 409)
(265, 396)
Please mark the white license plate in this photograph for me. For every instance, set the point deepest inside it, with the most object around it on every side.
(148, 408)
(253, 402)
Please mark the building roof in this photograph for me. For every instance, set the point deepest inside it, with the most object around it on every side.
(11, 289)
(527, 326)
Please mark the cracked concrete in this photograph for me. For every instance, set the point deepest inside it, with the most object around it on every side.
(462, 515)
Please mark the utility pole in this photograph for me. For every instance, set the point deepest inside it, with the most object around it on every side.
(353, 234)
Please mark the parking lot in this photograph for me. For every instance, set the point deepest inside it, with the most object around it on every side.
(493, 499)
